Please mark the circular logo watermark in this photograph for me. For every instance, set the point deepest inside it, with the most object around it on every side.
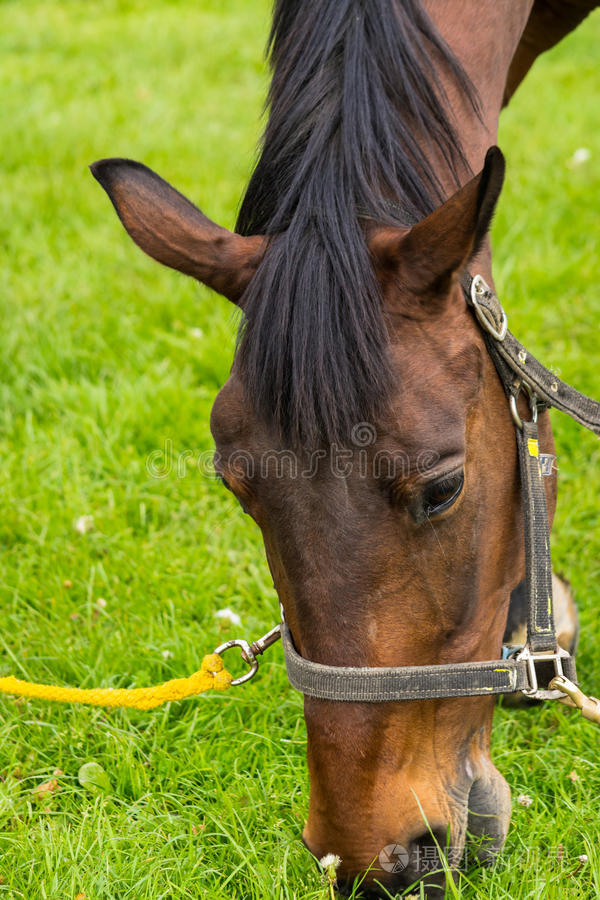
(363, 435)
(393, 858)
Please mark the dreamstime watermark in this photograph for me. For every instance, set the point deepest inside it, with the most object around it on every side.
(359, 456)
(165, 463)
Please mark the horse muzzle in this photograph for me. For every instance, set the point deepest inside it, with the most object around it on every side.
(431, 851)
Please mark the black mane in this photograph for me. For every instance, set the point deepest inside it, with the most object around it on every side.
(353, 84)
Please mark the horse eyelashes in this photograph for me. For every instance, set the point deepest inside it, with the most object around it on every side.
(442, 494)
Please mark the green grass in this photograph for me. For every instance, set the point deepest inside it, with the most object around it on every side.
(102, 363)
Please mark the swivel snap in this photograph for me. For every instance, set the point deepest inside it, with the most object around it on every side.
(574, 696)
(249, 652)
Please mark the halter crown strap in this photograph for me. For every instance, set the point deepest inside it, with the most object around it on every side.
(530, 668)
(516, 365)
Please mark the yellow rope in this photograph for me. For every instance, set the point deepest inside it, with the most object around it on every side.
(212, 674)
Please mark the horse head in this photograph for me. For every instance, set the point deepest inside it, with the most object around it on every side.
(400, 546)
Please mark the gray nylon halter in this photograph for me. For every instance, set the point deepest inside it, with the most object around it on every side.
(530, 668)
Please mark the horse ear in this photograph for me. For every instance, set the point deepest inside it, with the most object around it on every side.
(426, 257)
(173, 231)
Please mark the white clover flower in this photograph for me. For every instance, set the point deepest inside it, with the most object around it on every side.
(84, 524)
(581, 156)
(228, 613)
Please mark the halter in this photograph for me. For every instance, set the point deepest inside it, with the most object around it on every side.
(540, 669)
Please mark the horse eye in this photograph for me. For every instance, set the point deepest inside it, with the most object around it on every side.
(223, 481)
(440, 495)
(226, 485)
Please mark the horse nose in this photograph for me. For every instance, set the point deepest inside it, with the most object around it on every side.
(399, 866)
(393, 888)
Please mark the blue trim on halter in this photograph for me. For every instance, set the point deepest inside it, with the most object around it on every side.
(510, 650)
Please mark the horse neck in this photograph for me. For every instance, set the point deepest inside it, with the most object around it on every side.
(486, 61)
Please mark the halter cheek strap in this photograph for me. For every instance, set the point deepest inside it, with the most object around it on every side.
(541, 669)
(520, 371)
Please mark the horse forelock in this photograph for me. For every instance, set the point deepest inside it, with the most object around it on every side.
(353, 82)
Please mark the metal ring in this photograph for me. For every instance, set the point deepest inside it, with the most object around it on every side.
(478, 289)
(532, 405)
(528, 656)
(247, 655)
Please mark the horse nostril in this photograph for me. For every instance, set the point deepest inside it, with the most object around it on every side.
(425, 851)
(429, 844)
(401, 865)
(425, 859)
(429, 859)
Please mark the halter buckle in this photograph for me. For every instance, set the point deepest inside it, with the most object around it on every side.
(479, 288)
(531, 659)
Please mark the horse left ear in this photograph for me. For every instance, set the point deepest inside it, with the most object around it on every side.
(426, 257)
(173, 231)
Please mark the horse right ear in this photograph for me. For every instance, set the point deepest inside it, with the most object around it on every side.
(166, 226)
(425, 258)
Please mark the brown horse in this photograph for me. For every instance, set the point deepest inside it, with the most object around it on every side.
(391, 519)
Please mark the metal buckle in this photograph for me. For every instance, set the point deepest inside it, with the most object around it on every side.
(534, 691)
(249, 652)
(522, 385)
(478, 289)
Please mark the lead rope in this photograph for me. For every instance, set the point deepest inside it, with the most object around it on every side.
(212, 675)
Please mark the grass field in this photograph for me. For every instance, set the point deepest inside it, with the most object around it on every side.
(106, 357)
